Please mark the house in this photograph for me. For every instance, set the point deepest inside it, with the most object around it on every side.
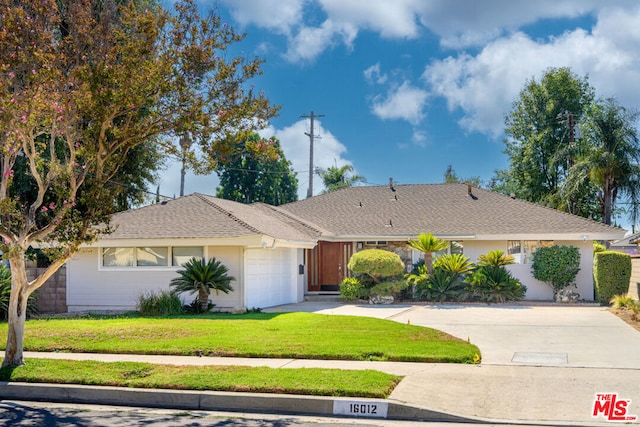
(629, 245)
(262, 248)
(280, 254)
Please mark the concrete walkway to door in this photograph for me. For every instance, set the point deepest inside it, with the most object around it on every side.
(540, 364)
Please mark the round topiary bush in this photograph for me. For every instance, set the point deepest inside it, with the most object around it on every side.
(376, 263)
(556, 265)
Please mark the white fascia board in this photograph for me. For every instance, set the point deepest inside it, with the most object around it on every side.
(251, 240)
(395, 238)
(553, 236)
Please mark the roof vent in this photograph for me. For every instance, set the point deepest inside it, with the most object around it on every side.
(470, 192)
(389, 225)
(391, 184)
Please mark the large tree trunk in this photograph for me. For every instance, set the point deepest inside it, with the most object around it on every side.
(17, 313)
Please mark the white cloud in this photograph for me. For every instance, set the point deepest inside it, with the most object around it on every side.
(485, 85)
(404, 102)
(310, 42)
(279, 16)
(373, 75)
(327, 151)
(458, 23)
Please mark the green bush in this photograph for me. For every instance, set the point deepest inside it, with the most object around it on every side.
(494, 283)
(557, 266)
(440, 286)
(376, 263)
(5, 295)
(495, 258)
(162, 303)
(611, 273)
(598, 247)
(352, 290)
(454, 263)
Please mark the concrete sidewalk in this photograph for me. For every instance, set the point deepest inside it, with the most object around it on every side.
(541, 365)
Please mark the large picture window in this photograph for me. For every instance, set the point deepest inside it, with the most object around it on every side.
(150, 256)
(523, 250)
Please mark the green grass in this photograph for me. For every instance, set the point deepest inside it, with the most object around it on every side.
(321, 382)
(276, 335)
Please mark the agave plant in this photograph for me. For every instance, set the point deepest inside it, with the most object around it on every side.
(202, 277)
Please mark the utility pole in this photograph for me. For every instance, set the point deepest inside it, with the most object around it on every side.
(311, 138)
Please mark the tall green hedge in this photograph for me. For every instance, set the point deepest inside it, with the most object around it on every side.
(611, 273)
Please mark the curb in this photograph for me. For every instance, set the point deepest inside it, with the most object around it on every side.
(224, 401)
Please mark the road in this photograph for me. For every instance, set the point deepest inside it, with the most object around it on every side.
(42, 414)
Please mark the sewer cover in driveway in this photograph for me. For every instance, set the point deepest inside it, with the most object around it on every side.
(541, 358)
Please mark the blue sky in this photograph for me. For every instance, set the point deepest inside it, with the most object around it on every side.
(408, 87)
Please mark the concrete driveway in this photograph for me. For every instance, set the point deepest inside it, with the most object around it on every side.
(523, 335)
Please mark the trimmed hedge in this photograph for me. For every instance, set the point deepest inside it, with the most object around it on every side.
(376, 263)
(611, 273)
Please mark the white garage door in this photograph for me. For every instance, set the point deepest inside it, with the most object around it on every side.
(270, 277)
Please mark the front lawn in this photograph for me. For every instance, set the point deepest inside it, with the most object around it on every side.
(276, 335)
(312, 381)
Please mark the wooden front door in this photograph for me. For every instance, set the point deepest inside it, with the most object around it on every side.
(327, 265)
(331, 263)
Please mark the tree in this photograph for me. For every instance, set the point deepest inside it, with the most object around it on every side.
(201, 277)
(82, 84)
(427, 243)
(250, 177)
(335, 178)
(451, 177)
(611, 159)
(541, 142)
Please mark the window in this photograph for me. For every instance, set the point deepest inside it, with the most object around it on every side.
(154, 256)
(150, 256)
(184, 254)
(523, 250)
(117, 257)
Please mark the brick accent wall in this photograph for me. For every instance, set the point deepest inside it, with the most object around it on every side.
(52, 296)
(634, 282)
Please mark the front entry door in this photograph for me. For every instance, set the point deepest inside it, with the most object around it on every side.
(331, 267)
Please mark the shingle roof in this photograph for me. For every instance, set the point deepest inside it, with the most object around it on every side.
(201, 216)
(442, 209)
(630, 240)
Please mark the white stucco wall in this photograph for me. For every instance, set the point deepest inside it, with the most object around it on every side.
(91, 287)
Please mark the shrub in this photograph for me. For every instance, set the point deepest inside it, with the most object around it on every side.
(388, 288)
(454, 263)
(5, 295)
(598, 247)
(376, 263)
(557, 266)
(622, 301)
(201, 277)
(351, 289)
(495, 258)
(495, 284)
(162, 303)
(440, 286)
(611, 272)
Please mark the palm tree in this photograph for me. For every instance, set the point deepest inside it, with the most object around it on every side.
(427, 243)
(334, 178)
(611, 160)
(201, 277)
